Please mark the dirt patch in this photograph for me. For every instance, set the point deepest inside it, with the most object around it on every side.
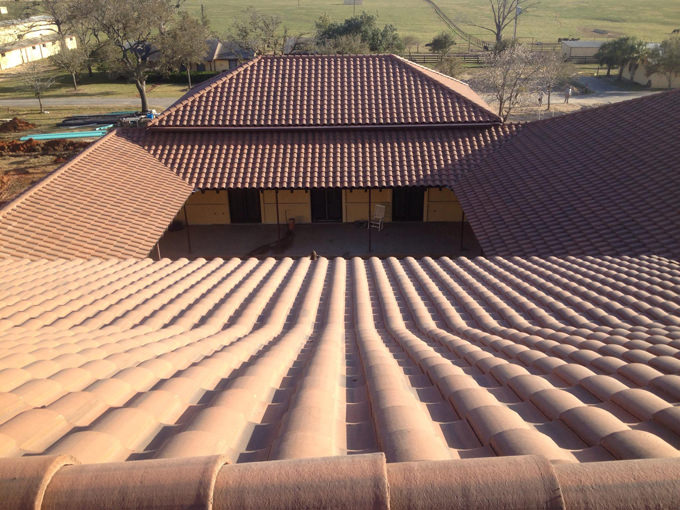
(16, 125)
(56, 147)
(24, 163)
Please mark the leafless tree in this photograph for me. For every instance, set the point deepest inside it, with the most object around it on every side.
(73, 61)
(35, 78)
(508, 75)
(552, 70)
(504, 12)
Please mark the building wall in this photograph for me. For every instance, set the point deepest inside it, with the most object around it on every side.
(33, 51)
(655, 80)
(26, 29)
(588, 51)
(441, 204)
(207, 208)
(355, 204)
(292, 204)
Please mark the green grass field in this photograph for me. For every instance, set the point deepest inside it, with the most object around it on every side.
(549, 19)
(97, 86)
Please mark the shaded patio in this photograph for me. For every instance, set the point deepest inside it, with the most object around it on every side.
(328, 240)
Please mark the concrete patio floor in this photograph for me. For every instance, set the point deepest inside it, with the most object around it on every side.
(327, 239)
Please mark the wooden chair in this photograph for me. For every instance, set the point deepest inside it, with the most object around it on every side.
(378, 217)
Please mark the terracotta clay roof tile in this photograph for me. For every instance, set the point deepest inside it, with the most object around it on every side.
(600, 181)
(290, 159)
(323, 90)
(425, 360)
(94, 205)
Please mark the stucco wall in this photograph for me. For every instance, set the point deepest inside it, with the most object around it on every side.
(355, 204)
(656, 80)
(207, 208)
(292, 204)
(441, 204)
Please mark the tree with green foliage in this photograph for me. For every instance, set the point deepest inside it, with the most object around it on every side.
(134, 29)
(363, 28)
(258, 32)
(621, 52)
(666, 59)
(184, 43)
(441, 43)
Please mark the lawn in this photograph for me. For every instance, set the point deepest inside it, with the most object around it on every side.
(98, 86)
(549, 19)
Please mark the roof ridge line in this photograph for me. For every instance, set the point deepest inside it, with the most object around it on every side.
(188, 97)
(53, 175)
(413, 66)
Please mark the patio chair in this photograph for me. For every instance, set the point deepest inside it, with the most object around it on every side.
(378, 216)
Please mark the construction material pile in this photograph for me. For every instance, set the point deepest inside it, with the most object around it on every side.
(16, 125)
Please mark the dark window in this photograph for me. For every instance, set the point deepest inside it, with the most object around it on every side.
(327, 205)
(244, 206)
(407, 204)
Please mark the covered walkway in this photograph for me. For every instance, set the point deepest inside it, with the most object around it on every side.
(328, 240)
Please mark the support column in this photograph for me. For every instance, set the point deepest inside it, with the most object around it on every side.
(369, 221)
(278, 225)
(186, 223)
(462, 231)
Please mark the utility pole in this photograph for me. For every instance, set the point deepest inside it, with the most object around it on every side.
(518, 11)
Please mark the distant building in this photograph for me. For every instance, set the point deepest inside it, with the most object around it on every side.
(580, 49)
(223, 56)
(30, 39)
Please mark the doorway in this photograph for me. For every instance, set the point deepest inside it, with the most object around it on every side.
(407, 204)
(326, 205)
(244, 206)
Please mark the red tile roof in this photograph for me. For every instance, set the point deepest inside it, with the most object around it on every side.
(339, 483)
(601, 181)
(571, 359)
(112, 200)
(323, 90)
(323, 158)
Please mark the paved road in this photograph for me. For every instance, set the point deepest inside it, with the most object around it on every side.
(160, 103)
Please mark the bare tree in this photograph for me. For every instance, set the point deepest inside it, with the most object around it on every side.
(505, 12)
(184, 43)
(73, 61)
(552, 70)
(508, 75)
(34, 77)
(450, 66)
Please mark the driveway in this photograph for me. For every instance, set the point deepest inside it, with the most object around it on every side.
(605, 91)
